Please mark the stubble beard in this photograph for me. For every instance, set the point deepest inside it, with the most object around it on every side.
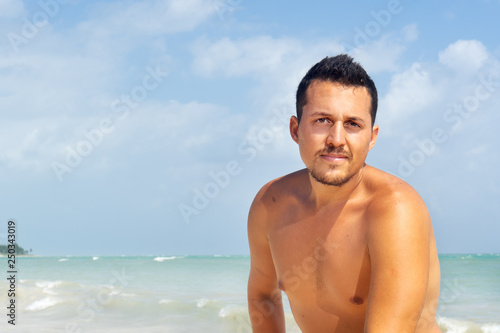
(331, 180)
(325, 179)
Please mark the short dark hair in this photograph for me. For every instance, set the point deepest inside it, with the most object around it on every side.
(339, 69)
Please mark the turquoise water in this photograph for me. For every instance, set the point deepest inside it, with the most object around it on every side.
(470, 292)
(200, 294)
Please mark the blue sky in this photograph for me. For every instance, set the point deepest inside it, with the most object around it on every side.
(147, 127)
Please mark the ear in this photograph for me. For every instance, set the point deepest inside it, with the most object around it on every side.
(374, 136)
(294, 128)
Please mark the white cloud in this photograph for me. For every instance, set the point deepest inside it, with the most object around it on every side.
(263, 57)
(481, 149)
(410, 32)
(410, 91)
(277, 64)
(11, 8)
(252, 56)
(180, 131)
(151, 17)
(118, 28)
(45, 100)
(30, 144)
(192, 125)
(384, 53)
(464, 56)
(379, 56)
(62, 83)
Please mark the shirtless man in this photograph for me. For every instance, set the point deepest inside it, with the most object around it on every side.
(351, 246)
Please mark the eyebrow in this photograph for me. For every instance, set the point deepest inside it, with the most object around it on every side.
(360, 120)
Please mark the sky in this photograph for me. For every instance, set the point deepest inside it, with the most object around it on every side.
(147, 127)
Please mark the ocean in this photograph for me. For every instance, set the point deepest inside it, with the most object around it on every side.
(198, 294)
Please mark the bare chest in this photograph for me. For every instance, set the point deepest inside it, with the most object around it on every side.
(322, 261)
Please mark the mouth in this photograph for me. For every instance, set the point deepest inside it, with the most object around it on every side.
(334, 158)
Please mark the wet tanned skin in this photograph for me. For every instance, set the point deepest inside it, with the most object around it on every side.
(350, 245)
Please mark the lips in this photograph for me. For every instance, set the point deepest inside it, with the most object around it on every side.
(334, 158)
(334, 155)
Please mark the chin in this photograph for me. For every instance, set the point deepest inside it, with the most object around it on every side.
(327, 178)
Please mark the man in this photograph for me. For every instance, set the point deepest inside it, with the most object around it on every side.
(351, 246)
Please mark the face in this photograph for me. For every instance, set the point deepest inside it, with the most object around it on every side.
(335, 131)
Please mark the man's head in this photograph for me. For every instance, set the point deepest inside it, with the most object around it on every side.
(336, 105)
(340, 69)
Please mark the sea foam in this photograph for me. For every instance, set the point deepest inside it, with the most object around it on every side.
(161, 259)
(42, 304)
(450, 325)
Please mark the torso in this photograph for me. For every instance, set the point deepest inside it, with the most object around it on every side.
(322, 259)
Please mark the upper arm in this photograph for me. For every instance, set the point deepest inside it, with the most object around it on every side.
(262, 280)
(398, 243)
(264, 296)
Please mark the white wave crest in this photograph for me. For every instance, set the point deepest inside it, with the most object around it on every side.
(451, 325)
(48, 284)
(202, 302)
(161, 259)
(232, 311)
(165, 301)
(491, 328)
(42, 304)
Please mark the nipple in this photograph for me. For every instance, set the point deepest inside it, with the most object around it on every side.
(357, 300)
(281, 286)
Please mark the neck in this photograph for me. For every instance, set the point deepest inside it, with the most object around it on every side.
(328, 195)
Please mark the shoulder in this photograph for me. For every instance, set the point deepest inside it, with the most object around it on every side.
(387, 191)
(277, 194)
(281, 190)
(393, 203)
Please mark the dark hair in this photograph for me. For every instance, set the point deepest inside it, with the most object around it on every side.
(339, 69)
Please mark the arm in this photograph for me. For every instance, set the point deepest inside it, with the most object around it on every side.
(398, 242)
(264, 296)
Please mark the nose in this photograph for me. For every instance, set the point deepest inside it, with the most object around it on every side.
(336, 135)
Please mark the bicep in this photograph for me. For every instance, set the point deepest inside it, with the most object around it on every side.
(264, 296)
(262, 279)
(398, 243)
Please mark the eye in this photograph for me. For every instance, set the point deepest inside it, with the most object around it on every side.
(353, 124)
(321, 120)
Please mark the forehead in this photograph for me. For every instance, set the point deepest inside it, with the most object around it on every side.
(334, 97)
